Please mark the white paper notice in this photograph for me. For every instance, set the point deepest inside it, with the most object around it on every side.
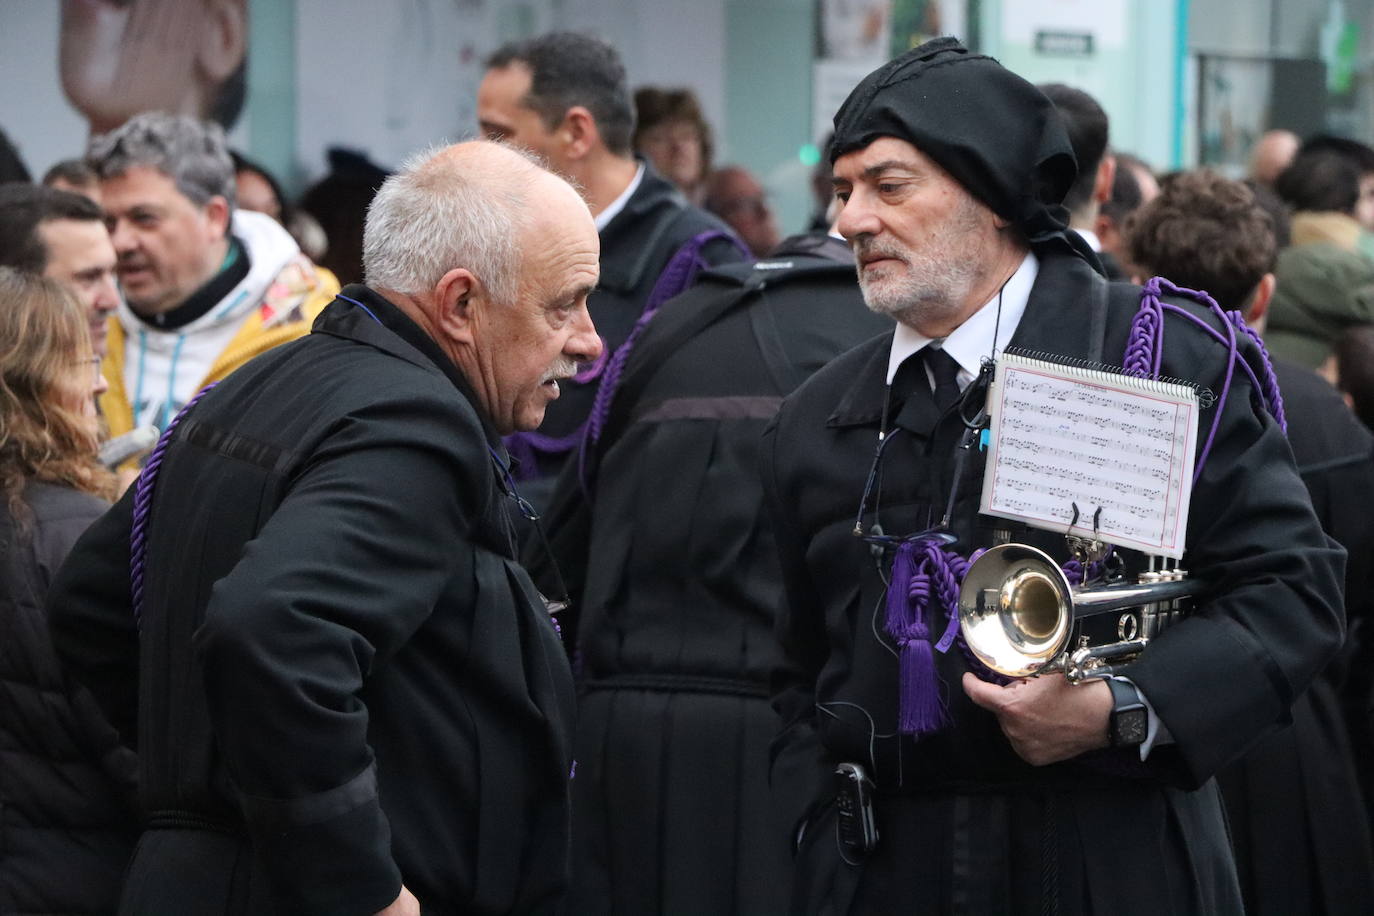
(1117, 447)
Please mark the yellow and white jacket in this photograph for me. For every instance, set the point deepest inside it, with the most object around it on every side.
(153, 372)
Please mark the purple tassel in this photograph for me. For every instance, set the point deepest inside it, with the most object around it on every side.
(921, 710)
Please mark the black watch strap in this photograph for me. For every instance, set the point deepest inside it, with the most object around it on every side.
(1130, 720)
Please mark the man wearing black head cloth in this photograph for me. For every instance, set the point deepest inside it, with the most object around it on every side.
(1034, 796)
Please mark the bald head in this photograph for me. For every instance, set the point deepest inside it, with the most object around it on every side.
(493, 257)
(733, 194)
(465, 205)
(1272, 154)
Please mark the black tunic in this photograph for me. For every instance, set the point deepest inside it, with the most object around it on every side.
(343, 680)
(967, 825)
(676, 574)
(1294, 800)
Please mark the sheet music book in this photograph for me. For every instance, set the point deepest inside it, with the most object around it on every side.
(1065, 434)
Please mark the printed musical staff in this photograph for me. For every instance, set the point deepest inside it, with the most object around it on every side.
(1065, 435)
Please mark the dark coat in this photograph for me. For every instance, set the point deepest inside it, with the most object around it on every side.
(343, 678)
(67, 820)
(967, 826)
(1292, 799)
(676, 575)
(635, 247)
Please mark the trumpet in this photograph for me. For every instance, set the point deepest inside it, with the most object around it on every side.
(1019, 614)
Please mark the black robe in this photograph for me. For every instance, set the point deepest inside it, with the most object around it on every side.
(343, 680)
(967, 826)
(676, 576)
(1294, 800)
(636, 245)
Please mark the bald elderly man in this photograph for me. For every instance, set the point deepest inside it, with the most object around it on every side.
(1034, 795)
(347, 695)
(1273, 152)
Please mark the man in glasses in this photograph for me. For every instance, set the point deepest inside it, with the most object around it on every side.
(1033, 795)
(347, 696)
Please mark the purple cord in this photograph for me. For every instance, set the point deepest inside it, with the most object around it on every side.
(143, 504)
(1145, 352)
(926, 577)
(594, 368)
(677, 276)
(1273, 397)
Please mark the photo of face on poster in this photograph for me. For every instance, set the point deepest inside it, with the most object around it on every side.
(120, 57)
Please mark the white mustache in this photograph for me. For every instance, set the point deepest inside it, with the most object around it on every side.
(564, 368)
(863, 248)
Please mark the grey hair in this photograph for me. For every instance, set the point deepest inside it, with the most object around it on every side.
(194, 154)
(425, 221)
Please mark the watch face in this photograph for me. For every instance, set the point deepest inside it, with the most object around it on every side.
(1131, 726)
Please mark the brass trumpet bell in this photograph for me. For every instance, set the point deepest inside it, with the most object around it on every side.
(1015, 609)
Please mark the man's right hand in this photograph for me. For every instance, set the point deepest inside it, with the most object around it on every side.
(404, 905)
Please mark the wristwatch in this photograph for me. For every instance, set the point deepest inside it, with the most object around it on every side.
(1130, 720)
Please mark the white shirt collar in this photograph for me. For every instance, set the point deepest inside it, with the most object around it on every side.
(613, 209)
(1091, 238)
(972, 340)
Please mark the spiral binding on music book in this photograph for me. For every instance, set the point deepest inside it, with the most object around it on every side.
(1081, 367)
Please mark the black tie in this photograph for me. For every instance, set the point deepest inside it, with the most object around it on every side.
(946, 372)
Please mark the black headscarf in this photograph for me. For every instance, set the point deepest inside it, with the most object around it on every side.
(998, 135)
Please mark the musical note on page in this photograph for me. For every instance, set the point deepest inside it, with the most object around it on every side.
(1065, 436)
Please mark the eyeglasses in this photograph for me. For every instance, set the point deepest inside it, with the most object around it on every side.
(94, 363)
(554, 606)
(972, 399)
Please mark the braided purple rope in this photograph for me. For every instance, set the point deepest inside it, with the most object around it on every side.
(143, 504)
(677, 276)
(1073, 569)
(926, 577)
(1273, 397)
(527, 446)
(681, 269)
(1147, 335)
(593, 370)
(1145, 351)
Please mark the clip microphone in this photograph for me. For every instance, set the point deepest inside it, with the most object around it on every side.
(133, 444)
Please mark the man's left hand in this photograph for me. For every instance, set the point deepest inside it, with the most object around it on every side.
(1046, 718)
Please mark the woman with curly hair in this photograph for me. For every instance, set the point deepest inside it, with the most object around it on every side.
(66, 782)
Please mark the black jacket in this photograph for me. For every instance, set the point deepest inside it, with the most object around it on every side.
(67, 820)
(339, 656)
(1217, 680)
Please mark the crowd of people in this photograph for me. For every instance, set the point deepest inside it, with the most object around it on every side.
(533, 529)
